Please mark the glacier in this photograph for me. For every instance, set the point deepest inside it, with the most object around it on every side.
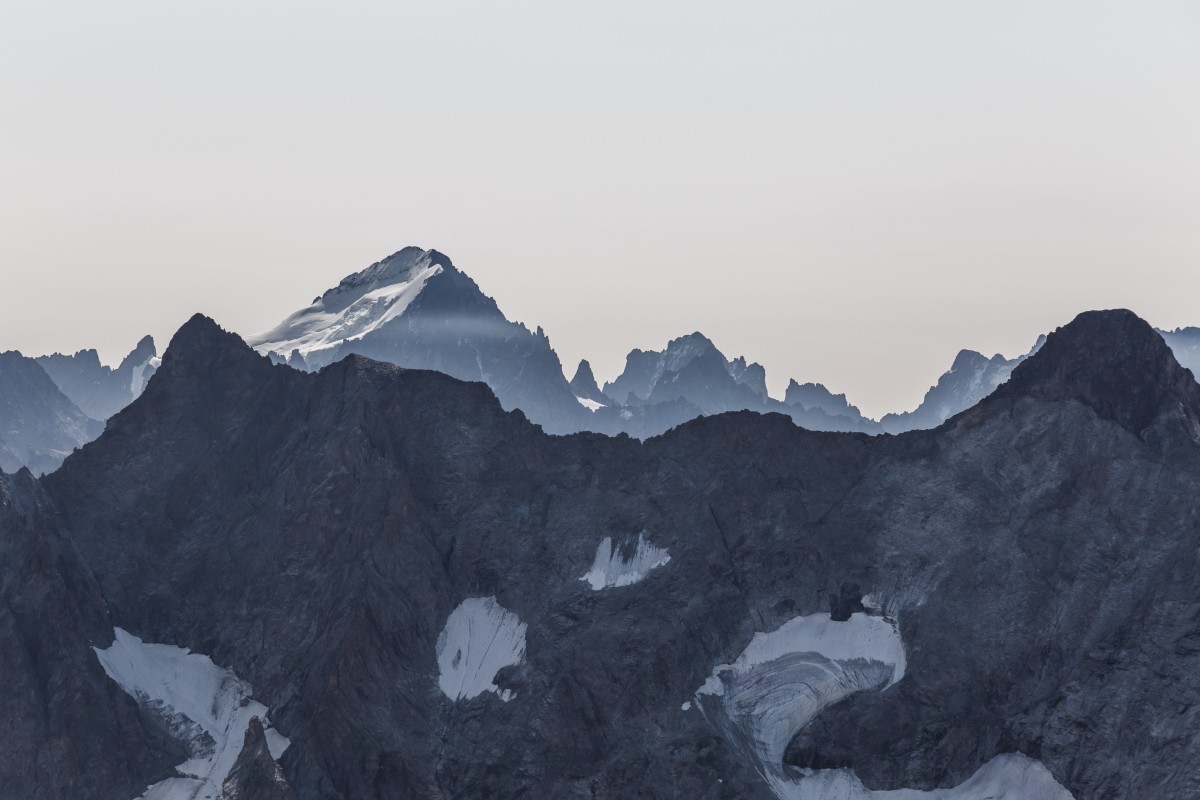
(205, 706)
(785, 678)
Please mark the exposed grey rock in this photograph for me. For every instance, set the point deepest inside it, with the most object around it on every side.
(691, 378)
(753, 375)
(971, 378)
(814, 396)
(97, 389)
(39, 426)
(256, 775)
(584, 384)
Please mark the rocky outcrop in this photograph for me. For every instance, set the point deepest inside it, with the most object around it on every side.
(815, 397)
(584, 385)
(256, 775)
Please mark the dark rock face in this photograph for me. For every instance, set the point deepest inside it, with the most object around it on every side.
(39, 426)
(67, 730)
(1111, 362)
(255, 775)
(316, 533)
(974, 376)
(101, 391)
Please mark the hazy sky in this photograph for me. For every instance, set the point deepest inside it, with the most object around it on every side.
(847, 191)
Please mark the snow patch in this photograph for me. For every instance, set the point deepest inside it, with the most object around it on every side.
(590, 405)
(1011, 776)
(206, 707)
(609, 569)
(480, 638)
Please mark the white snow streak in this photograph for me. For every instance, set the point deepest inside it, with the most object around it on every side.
(480, 638)
(610, 569)
(206, 707)
(317, 327)
(138, 381)
(590, 405)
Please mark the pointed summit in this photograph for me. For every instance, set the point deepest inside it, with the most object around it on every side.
(361, 304)
(415, 309)
(201, 333)
(584, 384)
(255, 774)
(202, 350)
(141, 354)
(1111, 361)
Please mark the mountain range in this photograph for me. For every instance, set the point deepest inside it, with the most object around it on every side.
(417, 310)
(375, 582)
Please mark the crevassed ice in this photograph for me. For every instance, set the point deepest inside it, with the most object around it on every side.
(480, 638)
(207, 707)
(785, 678)
(610, 569)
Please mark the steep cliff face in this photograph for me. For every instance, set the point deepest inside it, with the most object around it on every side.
(435, 599)
(67, 730)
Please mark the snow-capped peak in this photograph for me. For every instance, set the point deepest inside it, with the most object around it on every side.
(360, 304)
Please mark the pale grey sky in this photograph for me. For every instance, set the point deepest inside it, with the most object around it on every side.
(848, 192)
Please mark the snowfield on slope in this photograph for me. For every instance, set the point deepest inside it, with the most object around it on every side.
(351, 312)
(610, 569)
(480, 638)
(206, 707)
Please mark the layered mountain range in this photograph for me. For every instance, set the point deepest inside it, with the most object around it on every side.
(53, 404)
(375, 582)
(417, 310)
